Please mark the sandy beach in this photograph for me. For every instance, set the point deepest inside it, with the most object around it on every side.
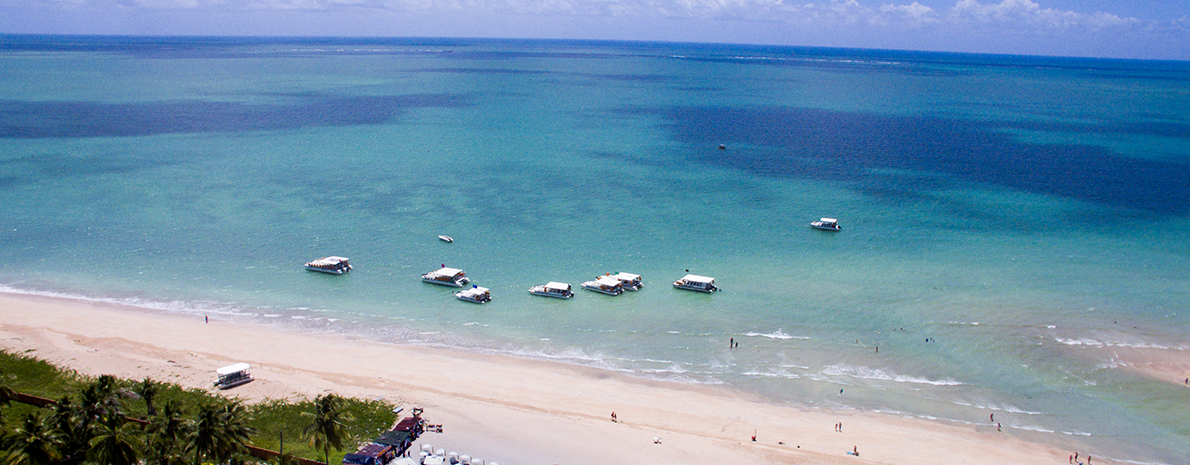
(501, 409)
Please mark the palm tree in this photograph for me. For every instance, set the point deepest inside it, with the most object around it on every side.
(326, 426)
(220, 432)
(67, 420)
(32, 443)
(167, 436)
(147, 390)
(116, 441)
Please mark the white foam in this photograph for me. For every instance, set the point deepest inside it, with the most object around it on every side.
(868, 373)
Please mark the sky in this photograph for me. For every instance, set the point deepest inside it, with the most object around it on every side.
(1141, 29)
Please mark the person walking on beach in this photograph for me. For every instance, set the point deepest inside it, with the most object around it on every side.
(206, 319)
(613, 417)
(992, 418)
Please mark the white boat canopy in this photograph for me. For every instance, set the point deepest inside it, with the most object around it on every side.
(693, 278)
(447, 271)
(555, 285)
(828, 220)
(628, 276)
(326, 261)
(607, 281)
(227, 370)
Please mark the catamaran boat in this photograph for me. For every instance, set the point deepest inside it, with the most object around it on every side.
(453, 277)
(332, 265)
(233, 375)
(631, 282)
(605, 285)
(827, 224)
(479, 295)
(693, 282)
(552, 289)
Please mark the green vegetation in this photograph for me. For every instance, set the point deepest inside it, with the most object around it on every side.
(90, 422)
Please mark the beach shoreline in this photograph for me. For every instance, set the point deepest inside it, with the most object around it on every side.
(505, 409)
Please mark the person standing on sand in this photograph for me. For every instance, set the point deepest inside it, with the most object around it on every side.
(613, 417)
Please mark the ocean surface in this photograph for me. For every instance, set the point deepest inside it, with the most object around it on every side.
(1013, 227)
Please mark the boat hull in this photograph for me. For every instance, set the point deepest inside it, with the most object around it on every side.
(604, 291)
(459, 283)
(323, 270)
(472, 300)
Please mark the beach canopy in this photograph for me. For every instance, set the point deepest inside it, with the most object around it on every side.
(227, 370)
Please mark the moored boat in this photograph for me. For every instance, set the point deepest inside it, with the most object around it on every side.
(826, 224)
(693, 282)
(446, 239)
(605, 285)
(479, 295)
(552, 289)
(332, 265)
(453, 277)
(631, 282)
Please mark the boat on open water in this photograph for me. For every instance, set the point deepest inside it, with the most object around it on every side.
(446, 238)
(605, 285)
(631, 282)
(552, 289)
(826, 224)
(331, 265)
(479, 295)
(453, 277)
(693, 282)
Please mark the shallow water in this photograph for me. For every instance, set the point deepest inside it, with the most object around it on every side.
(1023, 215)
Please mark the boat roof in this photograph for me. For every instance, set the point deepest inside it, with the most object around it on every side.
(828, 220)
(478, 289)
(607, 281)
(628, 276)
(227, 370)
(698, 279)
(329, 260)
(447, 271)
(556, 285)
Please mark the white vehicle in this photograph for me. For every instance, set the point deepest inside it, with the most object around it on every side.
(332, 265)
(233, 375)
(552, 289)
(605, 285)
(826, 224)
(693, 282)
(479, 295)
(446, 239)
(452, 277)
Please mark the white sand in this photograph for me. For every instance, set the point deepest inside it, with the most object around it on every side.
(502, 409)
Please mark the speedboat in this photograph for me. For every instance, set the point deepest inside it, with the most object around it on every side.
(605, 285)
(552, 289)
(631, 282)
(453, 277)
(479, 295)
(332, 265)
(693, 282)
(446, 239)
(826, 224)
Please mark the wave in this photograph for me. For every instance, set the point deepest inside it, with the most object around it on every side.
(1089, 342)
(876, 374)
(778, 334)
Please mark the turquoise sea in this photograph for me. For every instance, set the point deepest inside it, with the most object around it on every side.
(1011, 225)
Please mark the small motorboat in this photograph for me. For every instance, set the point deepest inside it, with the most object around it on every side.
(453, 277)
(553, 289)
(331, 265)
(446, 239)
(693, 282)
(605, 285)
(826, 224)
(479, 295)
(631, 282)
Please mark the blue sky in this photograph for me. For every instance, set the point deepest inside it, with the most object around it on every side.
(1154, 29)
